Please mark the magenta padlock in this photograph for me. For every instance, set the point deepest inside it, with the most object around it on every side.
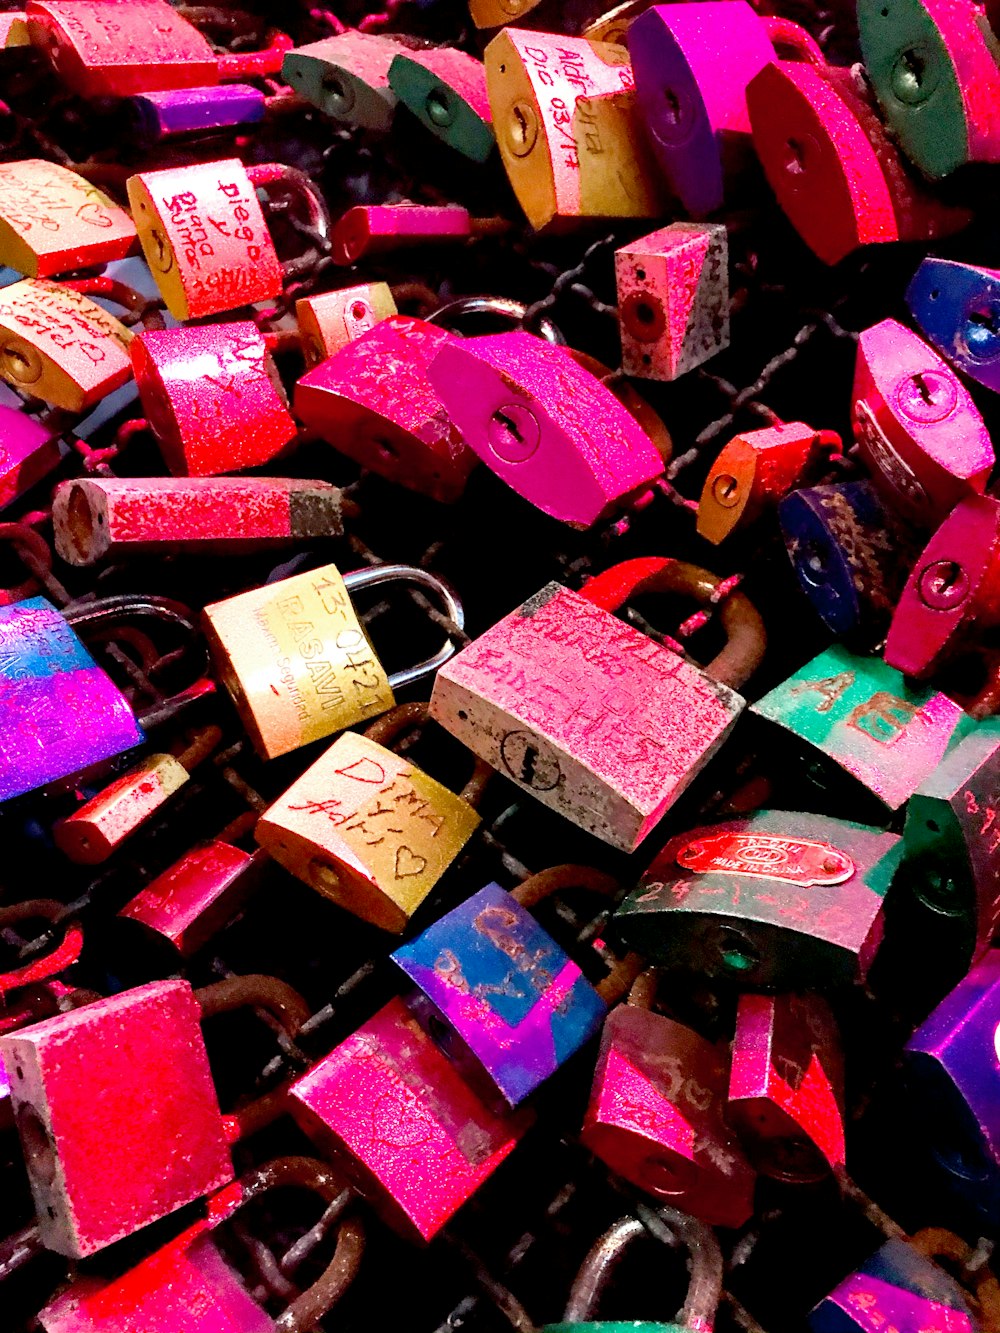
(546, 426)
(374, 402)
(828, 159)
(917, 428)
(29, 451)
(692, 64)
(212, 398)
(953, 592)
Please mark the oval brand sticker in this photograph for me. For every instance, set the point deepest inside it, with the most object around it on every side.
(767, 856)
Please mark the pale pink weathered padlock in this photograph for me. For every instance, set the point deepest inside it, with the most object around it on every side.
(545, 425)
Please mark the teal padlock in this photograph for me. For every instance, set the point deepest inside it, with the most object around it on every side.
(697, 1315)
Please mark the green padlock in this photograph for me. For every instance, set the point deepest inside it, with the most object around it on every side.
(673, 1227)
(864, 737)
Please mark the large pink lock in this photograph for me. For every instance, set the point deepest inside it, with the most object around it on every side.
(545, 425)
(212, 397)
(916, 425)
(835, 172)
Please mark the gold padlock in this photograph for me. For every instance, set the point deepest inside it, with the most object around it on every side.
(299, 663)
(368, 829)
(331, 320)
(52, 221)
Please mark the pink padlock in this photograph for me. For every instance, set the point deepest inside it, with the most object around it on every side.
(374, 402)
(917, 428)
(835, 172)
(212, 397)
(953, 590)
(545, 425)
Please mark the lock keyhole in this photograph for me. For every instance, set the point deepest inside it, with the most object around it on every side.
(943, 584)
(20, 365)
(982, 332)
(528, 762)
(814, 565)
(521, 130)
(911, 81)
(725, 490)
(795, 157)
(927, 395)
(514, 433)
(672, 110)
(440, 109)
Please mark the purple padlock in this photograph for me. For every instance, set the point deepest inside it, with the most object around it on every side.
(167, 115)
(895, 1291)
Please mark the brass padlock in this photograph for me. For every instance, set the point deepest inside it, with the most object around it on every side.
(52, 221)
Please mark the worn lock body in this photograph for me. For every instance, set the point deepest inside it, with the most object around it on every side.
(777, 901)
(327, 323)
(786, 1085)
(751, 474)
(117, 1114)
(103, 51)
(593, 718)
(30, 451)
(195, 897)
(446, 91)
(933, 66)
(856, 716)
(96, 517)
(849, 556)
(347, 77)
(896, 1288)
(367, 829)
(655, 1117)
(98, 828)
(161, 116)
(673, 298)
(204, 237)
(371, 229)
(692, 64)
(60, 714)
(296, 660)
(516, 1004)
(58, 345)
(374, 402)
(957, 307)
(399, 1118)
(916, 426)
(567, 125)
(52, 221)
(953, 592)
(213, 397)
(828, 159)
(545, 425)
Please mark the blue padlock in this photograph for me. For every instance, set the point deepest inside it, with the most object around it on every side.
(957, 307)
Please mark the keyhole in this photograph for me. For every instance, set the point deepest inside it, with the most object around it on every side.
(985, 319)
(925, 390)
(725, 490)
(672, 107)
(814, 566)
(528, 763)
(439, 109)
(513, 432)
(644, 312)
(522, 129)
(943, 584)
(795, 154)
(909, 77)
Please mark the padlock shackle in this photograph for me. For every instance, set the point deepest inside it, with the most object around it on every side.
(939, 1243)
(791, 35)
(121, 294)
(746, 637)
(277, 178)
(63, 955)
(385, 729)
(504, 308)
(234, 66)
(285, 1005)
(454, 613)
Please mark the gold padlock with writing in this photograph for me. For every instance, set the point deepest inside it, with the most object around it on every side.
(53, 221)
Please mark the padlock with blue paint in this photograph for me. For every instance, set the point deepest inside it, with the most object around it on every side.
(957, 307)
(898, 1288)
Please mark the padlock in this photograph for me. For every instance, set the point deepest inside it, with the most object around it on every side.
(957, 308)
(835, 172)
(933, 67)
(297, 660)
(673, 298)
(374, 402)
(862, 734)
(656, 1114)
(496, 13)
(212, 397)
(373, 229)
(504, 1001)
(952, 595)
(399, 1119)
(753, 472)
(896, 1288)
(446, 90)
(545, 425)
(96, 517)
(194, 898)
(203, 232)
(347, 77)
(786, 1085)
(58, 345)
(368, 829)
(567, 125)
(29, 452)
(188, 1286)
(780, 900)
(97, 51)
(952, 838)
(327, 323)
(159, 117)
(99, 827)
(60, 714)
(116, 1109)
(593, 718)
(917, 428)
(14, 29)
(850, 556)
(696, 1315)
(52, 220)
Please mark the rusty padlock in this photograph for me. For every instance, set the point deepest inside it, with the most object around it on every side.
(53, 220)
(592, 717)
